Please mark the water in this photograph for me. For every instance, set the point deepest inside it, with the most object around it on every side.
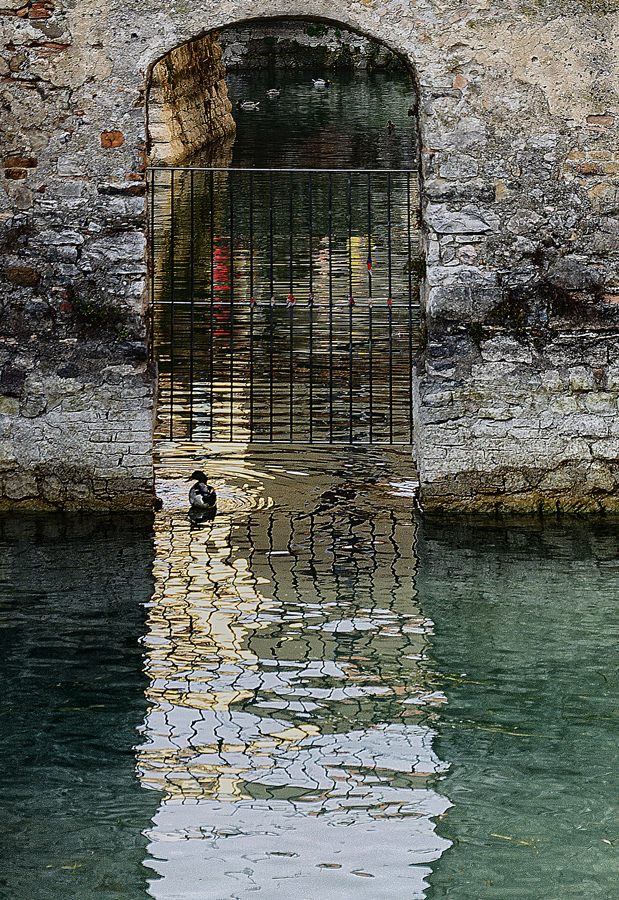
(344, 125)
(314, 695)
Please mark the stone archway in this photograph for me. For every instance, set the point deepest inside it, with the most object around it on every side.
(518, 385)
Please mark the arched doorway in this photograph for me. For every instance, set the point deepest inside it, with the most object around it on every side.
(286, 299)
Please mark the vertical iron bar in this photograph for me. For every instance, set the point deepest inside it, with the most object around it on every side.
(291, 292)
(311, 315)
(271, 307)
(211, 324)
(389, 301)
(350, 293)
(251, 306)
(291, 305)
(371, 348)
(231, 189)
(172, 286)
(330, 308)
(191, 323)
(410, 309)
(311, 239)
(271, 368)
(271, 230)
(369, 236)
(370, 366)
(390, 374)
(389, 232)
(291, 374)
(350, 306)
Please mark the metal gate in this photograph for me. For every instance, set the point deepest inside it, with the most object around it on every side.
(284, 304)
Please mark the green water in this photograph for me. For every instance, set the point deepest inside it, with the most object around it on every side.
(526, 651)
(344, 125)
(314, 695)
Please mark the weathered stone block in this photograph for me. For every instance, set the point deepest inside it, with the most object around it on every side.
(572, 273)
(19, 487)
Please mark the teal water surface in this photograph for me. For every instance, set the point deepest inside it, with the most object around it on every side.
(314, 695)
(526, 650)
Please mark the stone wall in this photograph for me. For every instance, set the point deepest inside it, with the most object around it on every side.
(76, 391)
(301, 45)
(517, 386)
(188, 106)
(517, 390)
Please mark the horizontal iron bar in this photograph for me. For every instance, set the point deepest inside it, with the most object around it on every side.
(227, 169)
(255, 440)
(343, 304)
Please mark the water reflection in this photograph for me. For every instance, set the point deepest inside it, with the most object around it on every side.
(341, 126)
(290, 725)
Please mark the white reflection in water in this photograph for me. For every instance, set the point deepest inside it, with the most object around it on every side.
(289, 728)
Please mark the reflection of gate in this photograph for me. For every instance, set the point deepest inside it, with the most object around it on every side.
(285, 304)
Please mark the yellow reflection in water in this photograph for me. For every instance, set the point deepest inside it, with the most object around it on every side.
(247, 635)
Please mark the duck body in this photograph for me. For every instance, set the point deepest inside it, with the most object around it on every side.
(247, 104)
(274, 92)
(320, 82)
(201, 495)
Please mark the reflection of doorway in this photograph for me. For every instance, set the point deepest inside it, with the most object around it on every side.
(290, 721)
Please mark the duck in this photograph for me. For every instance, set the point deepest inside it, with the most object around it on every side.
(390, 125)
(274, 92)
(247, 104)
(320, 82)
(201, 496)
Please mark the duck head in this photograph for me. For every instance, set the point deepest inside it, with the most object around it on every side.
(198, 476)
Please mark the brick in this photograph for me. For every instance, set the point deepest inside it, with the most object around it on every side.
(22, 276)
(20, 162)
(601, 121)
(111, 139)
(38, 11)
(15, 174)
(587, 168)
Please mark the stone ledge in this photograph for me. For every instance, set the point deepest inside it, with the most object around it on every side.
(569, 489)
(57, 487)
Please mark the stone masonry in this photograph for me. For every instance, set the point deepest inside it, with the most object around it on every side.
(301, 44)
(518, 383)
(188, 103)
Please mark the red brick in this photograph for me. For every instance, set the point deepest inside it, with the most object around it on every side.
(112, 139)
(21, 162)
(38, 11)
